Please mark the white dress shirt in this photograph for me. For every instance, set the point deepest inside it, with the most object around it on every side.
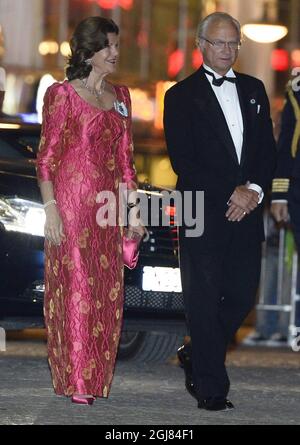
(228, 99)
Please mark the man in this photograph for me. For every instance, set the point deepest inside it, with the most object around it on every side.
(286, 185)
(219, 137)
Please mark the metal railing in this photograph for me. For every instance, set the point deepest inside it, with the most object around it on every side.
(287, 290)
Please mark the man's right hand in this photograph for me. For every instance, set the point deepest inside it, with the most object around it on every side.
(280, 212)
(245, 198)
(242, 202)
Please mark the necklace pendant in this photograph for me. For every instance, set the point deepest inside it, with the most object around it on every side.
(94, 93)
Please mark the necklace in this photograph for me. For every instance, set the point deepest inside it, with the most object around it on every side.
(97, 94)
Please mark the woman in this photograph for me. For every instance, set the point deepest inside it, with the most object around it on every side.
(86, 147)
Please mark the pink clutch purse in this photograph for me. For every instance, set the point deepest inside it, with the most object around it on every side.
(131, 244)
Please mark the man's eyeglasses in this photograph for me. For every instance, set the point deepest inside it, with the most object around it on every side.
(220, 44)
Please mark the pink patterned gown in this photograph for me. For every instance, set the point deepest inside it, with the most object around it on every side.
(83, 151)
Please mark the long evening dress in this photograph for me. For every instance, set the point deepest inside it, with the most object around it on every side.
(83, 151)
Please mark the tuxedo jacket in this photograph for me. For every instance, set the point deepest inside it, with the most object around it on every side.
(203, 154)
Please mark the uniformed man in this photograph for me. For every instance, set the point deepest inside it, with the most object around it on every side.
(286, 184)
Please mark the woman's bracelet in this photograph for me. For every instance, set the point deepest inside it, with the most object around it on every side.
(48, 203)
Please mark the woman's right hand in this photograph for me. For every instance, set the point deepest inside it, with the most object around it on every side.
(54, 231)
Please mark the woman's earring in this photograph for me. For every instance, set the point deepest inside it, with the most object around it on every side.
(88, 61)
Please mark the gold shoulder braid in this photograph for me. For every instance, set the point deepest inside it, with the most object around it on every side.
(296, 108)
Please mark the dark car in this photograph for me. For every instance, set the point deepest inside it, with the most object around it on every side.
(153, 318)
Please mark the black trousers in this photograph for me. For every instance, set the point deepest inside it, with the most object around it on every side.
(219, 291)
(294, 208)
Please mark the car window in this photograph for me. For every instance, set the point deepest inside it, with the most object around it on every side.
(18, 146)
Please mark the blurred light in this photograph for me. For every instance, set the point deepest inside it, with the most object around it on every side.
(111, 4)
(20, 215)
(9, 126)
(29, 118)
(126, 4)
(43, 48)
(295, 58)
(264, 33)
(164, 164)
(197, 59)
(29, 79)
(65, 49)
(142, 177)
(13, 93)
(48, 47)
(108, 4)
(34, 221)
(2, 79)
(142, 105)
(53, 47)
(46, 81)
(175, 62)
(280, 60)
(170, 210)
(161, 89)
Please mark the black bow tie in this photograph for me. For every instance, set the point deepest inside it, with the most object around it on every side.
(221, 80)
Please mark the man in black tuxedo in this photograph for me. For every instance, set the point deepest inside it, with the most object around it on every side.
(220, 140)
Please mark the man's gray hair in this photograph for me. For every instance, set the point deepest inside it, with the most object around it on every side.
(216, 17)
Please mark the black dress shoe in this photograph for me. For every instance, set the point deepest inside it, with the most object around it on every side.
(215, 404)
(186, 363)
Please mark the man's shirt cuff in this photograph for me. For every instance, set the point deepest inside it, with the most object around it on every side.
(259, 190)
(279, 201)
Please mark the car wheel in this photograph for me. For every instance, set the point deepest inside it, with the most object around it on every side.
(148, 346)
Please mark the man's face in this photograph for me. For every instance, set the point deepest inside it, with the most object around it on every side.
(222, 58)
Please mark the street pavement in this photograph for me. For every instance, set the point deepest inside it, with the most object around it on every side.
(265, 390)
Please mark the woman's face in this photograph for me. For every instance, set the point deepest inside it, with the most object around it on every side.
(105, 60)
